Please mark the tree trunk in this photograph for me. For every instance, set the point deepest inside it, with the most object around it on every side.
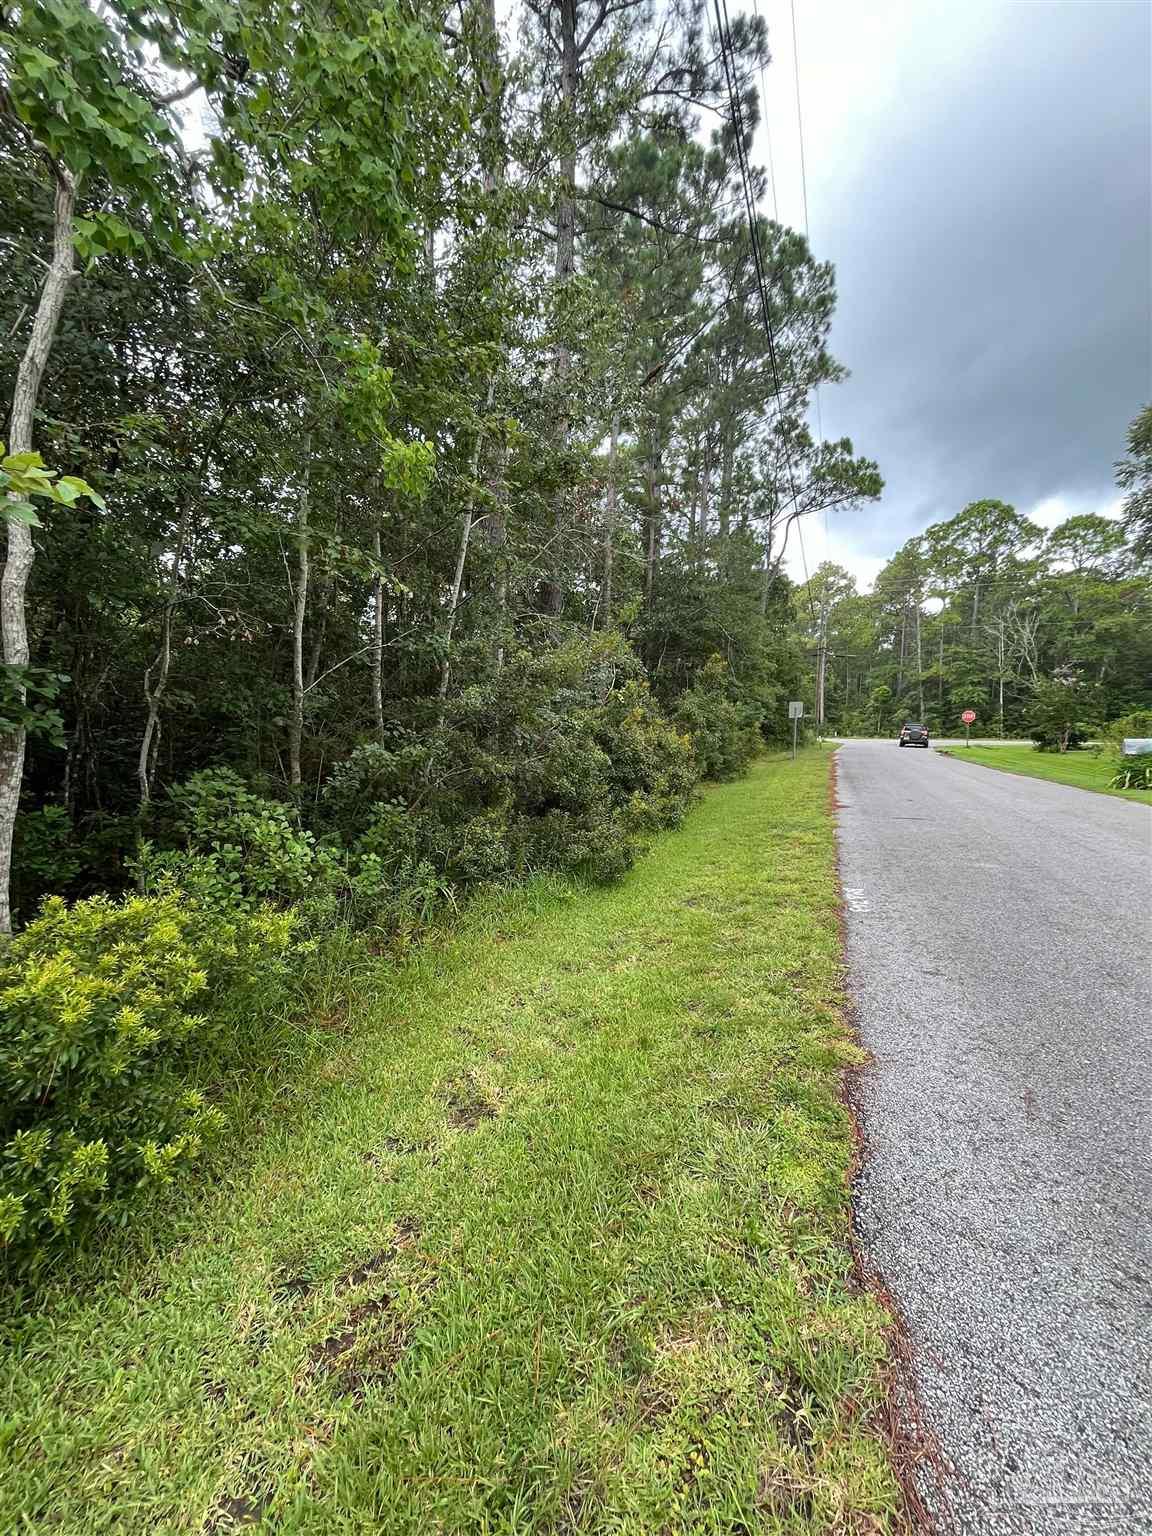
(465, 539)
(454, 600)
(497, 527)
(610, 524)
(705, 493)
(21, 551)
(552, 593)
(655, 516)
(495, 171)
(919, 662)
(724, 508)
(146, 765)
(378, 640)
(299, 613)
(322, 589)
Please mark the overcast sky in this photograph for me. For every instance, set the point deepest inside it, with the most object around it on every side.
(980, 173)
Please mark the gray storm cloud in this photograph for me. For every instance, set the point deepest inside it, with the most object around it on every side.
(991, 228)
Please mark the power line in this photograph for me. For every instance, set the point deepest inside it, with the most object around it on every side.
(727, 55)
(807, 231)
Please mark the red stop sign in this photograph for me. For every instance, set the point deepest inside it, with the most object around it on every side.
(968, 716)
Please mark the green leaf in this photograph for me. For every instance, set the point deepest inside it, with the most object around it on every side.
(73, 486)
(21, 512)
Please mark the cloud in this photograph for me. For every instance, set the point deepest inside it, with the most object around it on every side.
(979, 175)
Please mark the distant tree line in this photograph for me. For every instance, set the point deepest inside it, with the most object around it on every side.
(988, 612)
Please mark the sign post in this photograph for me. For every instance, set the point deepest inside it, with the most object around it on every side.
(795, 714)
(968, 716)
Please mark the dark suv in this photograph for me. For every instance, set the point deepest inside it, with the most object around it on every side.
(912, 735)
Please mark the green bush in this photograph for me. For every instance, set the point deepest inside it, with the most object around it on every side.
(1130, 772)
(1138, 723)
(1133, 772)
(1062, 711)
(562, 762)
(725, 732)
(108, 1012)
(238, 852)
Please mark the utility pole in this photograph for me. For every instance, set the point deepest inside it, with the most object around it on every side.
(821, 661)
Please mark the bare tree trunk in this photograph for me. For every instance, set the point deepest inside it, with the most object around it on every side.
(1000, 670)
(454, 600)
(705, 493)
(655, 515)
(465, 539)
(21, 551)
(378, 640)
(724, 509)
(552, 594)
(940, 682)
(299, 613)
(322, 589)
(150, 740)
(919, 662)
(497, 527)
(610, 523)
(766, 569)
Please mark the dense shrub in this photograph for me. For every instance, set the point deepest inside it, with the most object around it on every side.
(238, 852)
(1062, 711)
(1136, 724)
(1130, 772)
(1133, 772)
(563, 761)
(108, 1012)
(724, 730)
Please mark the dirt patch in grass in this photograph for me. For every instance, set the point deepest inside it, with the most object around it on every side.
(407, 1230)
(236, 1514)
(469, 1105)
(785, 1494)
(351, 1362)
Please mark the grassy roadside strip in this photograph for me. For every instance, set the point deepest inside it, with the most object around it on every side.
(1084, 770)
(552, 1236)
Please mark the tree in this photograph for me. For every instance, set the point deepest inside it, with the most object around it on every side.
(1134, 475)
(74, 94)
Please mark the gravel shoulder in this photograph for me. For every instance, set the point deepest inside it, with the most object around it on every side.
(999, 957)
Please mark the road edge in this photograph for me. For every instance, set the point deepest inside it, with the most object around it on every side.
(912, 1445)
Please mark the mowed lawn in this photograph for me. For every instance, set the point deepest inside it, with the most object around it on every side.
(1086, 770)
(549, 1235)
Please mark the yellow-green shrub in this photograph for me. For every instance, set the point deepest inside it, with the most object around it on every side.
(107, 1011)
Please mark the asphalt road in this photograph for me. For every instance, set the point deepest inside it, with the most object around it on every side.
(1000, 955)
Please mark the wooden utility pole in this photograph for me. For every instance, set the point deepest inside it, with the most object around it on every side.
(822, 658)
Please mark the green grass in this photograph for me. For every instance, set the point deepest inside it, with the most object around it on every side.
(1086, 770)
(549, 1235)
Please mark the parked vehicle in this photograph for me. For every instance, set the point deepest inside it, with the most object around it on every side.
(913, 735)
